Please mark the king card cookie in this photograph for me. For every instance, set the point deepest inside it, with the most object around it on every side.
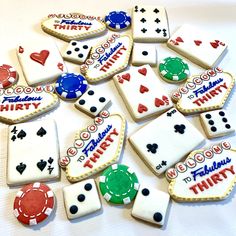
(166, 140)
(206, 175)
(204, 92)
(24, 103)
(33, 152)
(198, 46)
(108, 58)
(41, 61)
(73, 26)
(142, 92)
(95, 147)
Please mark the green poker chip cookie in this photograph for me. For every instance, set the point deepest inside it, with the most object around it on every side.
(174, 69)
(118, 184)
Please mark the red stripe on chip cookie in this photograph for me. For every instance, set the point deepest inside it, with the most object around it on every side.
(8, 76)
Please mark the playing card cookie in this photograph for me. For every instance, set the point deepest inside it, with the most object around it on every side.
(41, 61)
(150, 24)
(206, 175)
(142, 92)
(95, 147)
(33, 152)
(198, 46)
(8, 76)
(205, 92)
(24, 103)
(73, 26)
(165, 140)
(107, 59)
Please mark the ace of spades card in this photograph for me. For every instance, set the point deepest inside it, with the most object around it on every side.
(33, 152)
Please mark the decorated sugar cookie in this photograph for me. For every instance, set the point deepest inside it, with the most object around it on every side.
(205, 92)
(23, 103)
(95, 147)
(206, 175)
(107, 59)
(73, 26)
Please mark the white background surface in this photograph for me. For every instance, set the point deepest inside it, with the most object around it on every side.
(20, 20)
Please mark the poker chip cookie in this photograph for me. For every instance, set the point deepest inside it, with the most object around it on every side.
(173, 69)
(117, 20)
(33, 203)
(70, 86)
(8, 76)
(118, 184)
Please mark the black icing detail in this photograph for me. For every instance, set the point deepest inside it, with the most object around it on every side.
(80, 55)
(73, 209)
(208, 116)
(68, 52)
(88, 187)
(157, 217)
(180, 128)
(81, 198)
(152, 148)
(74, 44)
(156, 10)
(93, 109)
(221, 113)
(145, 53)
(144, 30)
(90, 92)
(82, 102)
(21, 134)
(227, 126)
(143, 20)
(85, 47)
(41, 164)
(41, 132)
(213, 129)
(77, 49)
(224, 120)
(145, 192)
(102, 99)
(142, 10)
(211, 122)
(21, 167)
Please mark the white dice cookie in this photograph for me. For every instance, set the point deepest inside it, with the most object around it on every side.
(201, 47)
(40, 60)
(150, 24)
(76, 52)
(151, 205)
(81, 199)
(166, 140)
(93, 101)
(144, 54)
(33, 152)
(216, 123)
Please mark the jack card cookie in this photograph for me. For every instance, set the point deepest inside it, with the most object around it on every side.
(206, 175)
(24, 103)
(198, 46)
(33, 152)
(165, 140)
(205, 92)
(142, 92)
(150, 24)
(73, 26)
(108, 58)
(41, 61)
(95, 147)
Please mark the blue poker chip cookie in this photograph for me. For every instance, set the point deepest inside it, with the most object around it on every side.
(118, 20)
(70, 86)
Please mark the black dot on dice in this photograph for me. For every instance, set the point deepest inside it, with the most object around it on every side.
(145, 192)
(145, 53)
(73, 209)
(68, 52)
(208, 116)
(213, 129)
(211, 122)
(90, 92)
(76, 49)
(80, 55)
(102, 99)
(88, 187)
(85, 47)
(224, 120)
(93, 109)
(74, 43)
(227, 126)
(82, 102)
(81, 198)
(157, 217)
(221, 113)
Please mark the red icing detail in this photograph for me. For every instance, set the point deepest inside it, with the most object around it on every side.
(179, 39)
(21, 50)
(214, 44)
(142, 108)
(60, 66)
(143, 71)
(126, 77)
(198, 42)
(165, 99)
(143, 89)
(40, 57)
(159, 102)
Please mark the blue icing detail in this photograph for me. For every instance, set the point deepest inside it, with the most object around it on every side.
(118, 20)
(70, 85)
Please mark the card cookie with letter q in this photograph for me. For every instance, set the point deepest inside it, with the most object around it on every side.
(198, 46)
(95, 147)
(41, 61)
(206, 175)
(204, 92)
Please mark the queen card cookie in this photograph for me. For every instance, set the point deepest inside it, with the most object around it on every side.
(73, 26)
(24, 103)
(142, 92)
(206, 175)
(40, 60)
(33, 152)
(204, 92)
(95, 147)
(198, 46)
(108, 58)
(165, 140)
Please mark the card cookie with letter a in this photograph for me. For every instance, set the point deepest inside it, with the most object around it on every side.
(95, 147)
(205, 92)
(206, 175)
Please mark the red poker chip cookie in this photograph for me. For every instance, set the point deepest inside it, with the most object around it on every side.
(8, 76)
(33, 203)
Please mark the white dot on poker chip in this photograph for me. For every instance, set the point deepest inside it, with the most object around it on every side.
(175, 77)
(16, 212)
(114, 167)
(33, 222)
(136, 186)
(186, 72)
(127, 23)
(48, 211)
(163, 72)
(130, 170)
(50, 193)
(64, 94)
(36, 185)
(126, 200)
(11, 79)
(102, 179)
(78, 93)
(117, 26)
(107, 196)
(19, 194)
